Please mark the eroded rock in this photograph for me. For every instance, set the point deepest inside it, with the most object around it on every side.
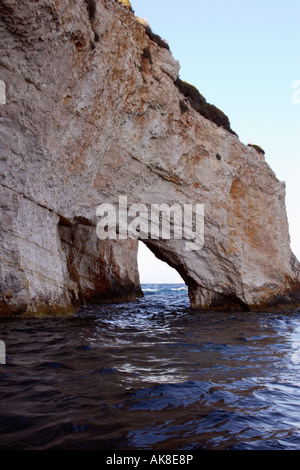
(92, 113)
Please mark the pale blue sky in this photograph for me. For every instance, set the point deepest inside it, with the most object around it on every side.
(243, 57)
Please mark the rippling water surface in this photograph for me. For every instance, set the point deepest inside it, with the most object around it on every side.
(152, 375)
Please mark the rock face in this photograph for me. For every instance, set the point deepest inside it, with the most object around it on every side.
(92, 113)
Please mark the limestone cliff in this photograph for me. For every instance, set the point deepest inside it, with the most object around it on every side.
(94, 111)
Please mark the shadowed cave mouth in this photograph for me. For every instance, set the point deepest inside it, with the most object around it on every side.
(96, 279)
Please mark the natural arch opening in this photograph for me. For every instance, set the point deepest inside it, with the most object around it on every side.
(153, 270)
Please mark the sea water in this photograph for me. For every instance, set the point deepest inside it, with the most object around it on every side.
(152, 375)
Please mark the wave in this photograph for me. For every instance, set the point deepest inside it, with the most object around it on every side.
(180, 288)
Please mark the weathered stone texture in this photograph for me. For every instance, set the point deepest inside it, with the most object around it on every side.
(92, 113)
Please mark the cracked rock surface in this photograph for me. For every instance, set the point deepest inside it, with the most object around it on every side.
(92, 113)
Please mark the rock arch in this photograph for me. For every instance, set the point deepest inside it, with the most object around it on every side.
(85, 122)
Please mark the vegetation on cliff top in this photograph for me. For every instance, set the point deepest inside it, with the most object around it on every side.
(199, 103)
(257, 148)
(190, 92)
(126, 4)
(156, 38)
